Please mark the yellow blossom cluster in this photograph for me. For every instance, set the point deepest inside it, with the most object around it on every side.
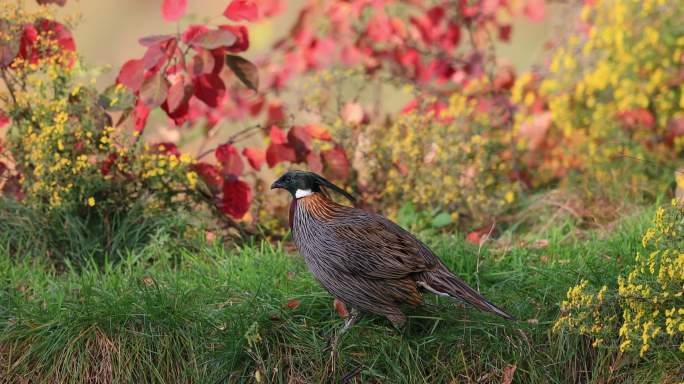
(613, 92)
(650, 298)
(449, 156)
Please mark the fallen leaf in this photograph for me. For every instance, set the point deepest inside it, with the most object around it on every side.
(508, 373)
(541, 243)
(340, 308)
(293, 303)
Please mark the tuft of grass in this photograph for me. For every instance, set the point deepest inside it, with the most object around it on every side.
(204, 314)
(76, 237)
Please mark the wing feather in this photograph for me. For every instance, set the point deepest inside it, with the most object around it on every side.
(376, 247)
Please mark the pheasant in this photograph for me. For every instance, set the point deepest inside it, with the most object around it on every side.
(363, 259)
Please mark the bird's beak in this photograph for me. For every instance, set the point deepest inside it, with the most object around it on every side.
(277, 184)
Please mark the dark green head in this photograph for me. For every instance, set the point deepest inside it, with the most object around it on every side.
(301, 184)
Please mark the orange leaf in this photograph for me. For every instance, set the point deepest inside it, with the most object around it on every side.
(340, 308)
(508, 373)
(293, 303)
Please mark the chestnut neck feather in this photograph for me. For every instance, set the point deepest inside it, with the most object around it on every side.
(318, 205)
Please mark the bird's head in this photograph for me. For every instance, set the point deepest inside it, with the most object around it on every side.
(301, 184)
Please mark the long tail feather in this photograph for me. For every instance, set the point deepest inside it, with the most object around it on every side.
(443, 282)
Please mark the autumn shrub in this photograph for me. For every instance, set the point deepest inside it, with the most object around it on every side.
(446, 156)
(610, 108)
(65, 156)
(642, 312)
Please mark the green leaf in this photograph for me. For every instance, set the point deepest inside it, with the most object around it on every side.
(245, 70)
(112, 99)
(441, 220)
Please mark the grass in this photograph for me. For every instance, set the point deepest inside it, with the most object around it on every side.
(205, 314)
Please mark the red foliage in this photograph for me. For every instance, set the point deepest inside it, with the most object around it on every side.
(29, 48)
(189, 77)
(237, 196)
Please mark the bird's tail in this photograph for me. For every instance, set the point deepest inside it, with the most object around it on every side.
(444, 283)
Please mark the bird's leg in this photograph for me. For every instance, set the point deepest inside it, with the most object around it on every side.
(354, 316)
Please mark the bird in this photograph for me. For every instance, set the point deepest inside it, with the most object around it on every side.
(363, 259)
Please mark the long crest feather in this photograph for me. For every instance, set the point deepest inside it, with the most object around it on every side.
(328, 184)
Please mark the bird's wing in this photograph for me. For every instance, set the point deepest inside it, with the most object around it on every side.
(374, 246)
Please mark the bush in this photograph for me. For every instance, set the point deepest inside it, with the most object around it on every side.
(643, 312)
(612, 102)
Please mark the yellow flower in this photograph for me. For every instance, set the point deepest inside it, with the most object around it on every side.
(91, 201)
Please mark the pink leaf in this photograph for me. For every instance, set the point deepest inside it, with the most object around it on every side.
(255, 157)
(173, 10)
(242, 10)
(352, 113)
(535, 10)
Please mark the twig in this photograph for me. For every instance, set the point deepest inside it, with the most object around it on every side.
(232, 139)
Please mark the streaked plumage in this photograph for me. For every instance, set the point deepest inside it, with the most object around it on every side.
(364, 259)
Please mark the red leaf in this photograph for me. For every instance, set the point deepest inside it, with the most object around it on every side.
(179, 94)
(192, 31)
(293, 304)
(209, 88)
(299, 139)
(214, 38)
(276, 113)
(318, 132)
(210, 175)
(242, 10)
(535, 10)
(255, 157)
(277, 135)
(240, 31)
(140, 114)
(237, 196)
(4, 120)
(340, 308)
(154, 90)
(230, 159)
(336, 162)
(278, 153)
(505, 32)
(313, 160)
(173, 10)
(203, 63)
(132, 74)
(245, 70)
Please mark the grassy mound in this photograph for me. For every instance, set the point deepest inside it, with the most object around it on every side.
(204, 314)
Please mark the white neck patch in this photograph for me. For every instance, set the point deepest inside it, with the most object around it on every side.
(303, 193)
